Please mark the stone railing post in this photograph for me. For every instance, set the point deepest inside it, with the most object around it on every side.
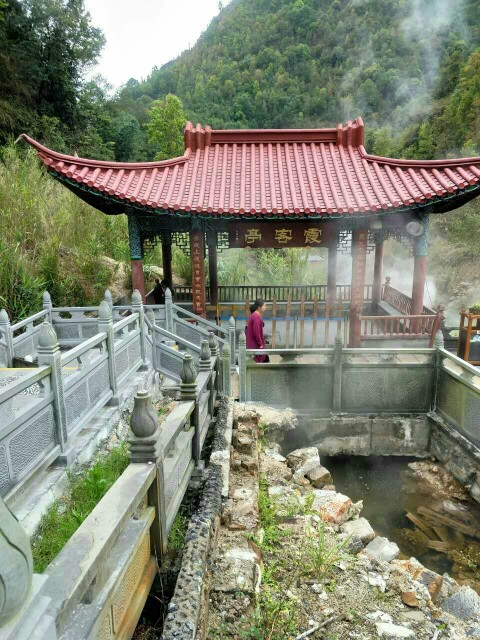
(242, 365)
(188, 392)
(22, 604)
(188, 377)
(47, 305)
(7, 336)
(151, 319)
(438, 344)
(169, 311)
(437, 324)
(205, 362)
(105, 325)
(388, 281)
(226, 371)
(16, 568)
(108, 299)
(337, 371)
(137, 307)
(145, 446)
(49, 354)
(232, 340)
(213, 344)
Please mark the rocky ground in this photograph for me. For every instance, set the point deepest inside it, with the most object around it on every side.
(295, 559)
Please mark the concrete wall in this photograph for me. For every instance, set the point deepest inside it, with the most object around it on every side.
(383, 435)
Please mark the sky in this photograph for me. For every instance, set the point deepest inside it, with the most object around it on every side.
(141, 34)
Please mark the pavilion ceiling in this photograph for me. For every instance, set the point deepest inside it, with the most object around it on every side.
(269, 173)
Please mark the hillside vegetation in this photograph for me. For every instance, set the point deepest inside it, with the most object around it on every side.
(411, 68)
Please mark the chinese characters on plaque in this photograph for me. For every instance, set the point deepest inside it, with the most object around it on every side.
(198, 272)
(280, 234)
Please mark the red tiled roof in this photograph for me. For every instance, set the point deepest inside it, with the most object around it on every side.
(269, 172)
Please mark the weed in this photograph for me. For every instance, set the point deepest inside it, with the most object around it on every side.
(84, 492)
(322, 553)
(176, 538)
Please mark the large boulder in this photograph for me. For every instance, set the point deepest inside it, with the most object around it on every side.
(464, 604)
(382, 549)
(320, 477)
(360, 528)
(302, 462)
(333, 507)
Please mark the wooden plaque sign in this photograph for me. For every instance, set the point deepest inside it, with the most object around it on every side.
(198, 272)
(280, 234)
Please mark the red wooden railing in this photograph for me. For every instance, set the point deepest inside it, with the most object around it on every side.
(400, 301)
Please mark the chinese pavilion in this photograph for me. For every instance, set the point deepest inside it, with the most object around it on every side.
(273, 188)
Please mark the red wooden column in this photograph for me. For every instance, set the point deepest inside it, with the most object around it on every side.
(136, 255)
(377, 272)
(167, 259)
(212, 266)
(332, 272)
(419, 270)
(198, 272)
(359, 259)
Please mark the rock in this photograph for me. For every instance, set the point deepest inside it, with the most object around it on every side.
(434, 480)
(389, 630)
(274, 471)
(410, 599)
(243, 443)
(274, 455)
(433, 581)
(333, 507)
(319, 477)
(412, 616)
(464, 604)
(237, 570)
(352, 543)
(379, 616)
(300, 457)
(473, 631)
(242, 493)
(241, 514)
(360, 528)
(303, 461)
(250, 464)
(274, 423)
(376, 580)
(382, 549)
(329, 487)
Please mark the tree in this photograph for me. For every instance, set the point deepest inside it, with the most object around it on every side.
(165, 127)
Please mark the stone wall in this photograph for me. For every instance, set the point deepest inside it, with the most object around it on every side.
(345, 434)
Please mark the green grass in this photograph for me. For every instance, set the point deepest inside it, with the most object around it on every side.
(84, 492)
(176, 538)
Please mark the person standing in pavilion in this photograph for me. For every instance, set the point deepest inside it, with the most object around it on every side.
(254, 330)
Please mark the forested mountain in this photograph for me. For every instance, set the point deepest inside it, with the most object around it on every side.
(410, 68)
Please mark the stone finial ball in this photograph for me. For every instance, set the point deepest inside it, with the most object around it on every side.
(104, 311)
(136, 297)
(47, 338)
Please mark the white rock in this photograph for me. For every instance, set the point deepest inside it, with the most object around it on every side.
(389, 630)
(360, 528)
(301, 457)
(382, 549)
(376, 580)
(380, 616)
(271, 453)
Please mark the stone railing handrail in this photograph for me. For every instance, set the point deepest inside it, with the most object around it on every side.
(466, 366)
(124, 322)
(23, 323)
(178, 339)
(24, 382)
(211, 326)
(82, 348)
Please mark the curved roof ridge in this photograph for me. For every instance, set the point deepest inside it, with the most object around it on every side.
(46, 153)
(405, 162)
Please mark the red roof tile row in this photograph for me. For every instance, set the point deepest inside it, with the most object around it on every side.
(270, 172)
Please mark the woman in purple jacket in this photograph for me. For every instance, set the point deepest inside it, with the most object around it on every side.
(254, 330)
